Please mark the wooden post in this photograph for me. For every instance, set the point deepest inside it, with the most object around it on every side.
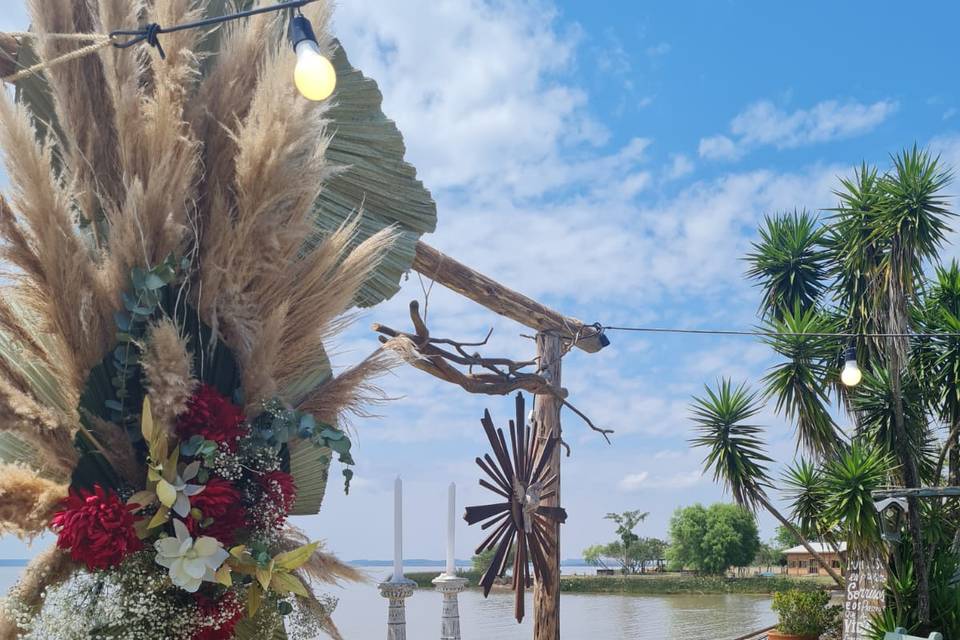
(546, 598)
(458, 277)
(9, 46)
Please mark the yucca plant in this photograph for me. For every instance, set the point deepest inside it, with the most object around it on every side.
(789, 263)
(848, 482)
(736, 452)
(800, 384)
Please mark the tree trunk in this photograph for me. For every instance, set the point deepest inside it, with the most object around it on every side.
(806, 545)
(911, 479)
(546, 597)
(950, 446)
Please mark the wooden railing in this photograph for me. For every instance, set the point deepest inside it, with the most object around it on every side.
(757, 635)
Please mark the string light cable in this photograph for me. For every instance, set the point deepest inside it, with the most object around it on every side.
(314, 74)
(601, 328)
(850, 374)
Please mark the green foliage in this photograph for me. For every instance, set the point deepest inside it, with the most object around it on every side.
(713, 539)
(789, 263)
(848, 481)
(481, 561)
(769, 555)
(801, 383)
(634, 559)
(665, 584)
(805, 613)
(804, 486)
(735, 450)
(785, 539)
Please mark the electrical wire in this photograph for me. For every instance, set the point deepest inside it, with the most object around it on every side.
(769, 334)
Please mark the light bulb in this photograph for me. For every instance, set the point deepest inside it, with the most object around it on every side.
(851, 374)
(314, 75)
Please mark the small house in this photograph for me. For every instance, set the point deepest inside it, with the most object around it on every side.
(801, 563)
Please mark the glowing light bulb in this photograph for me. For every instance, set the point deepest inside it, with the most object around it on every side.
(314, 75)
(851, 374)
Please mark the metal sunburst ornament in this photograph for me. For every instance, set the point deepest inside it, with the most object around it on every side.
(521, 476)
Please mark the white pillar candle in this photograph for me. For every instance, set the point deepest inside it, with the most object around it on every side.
(397, 530)
(451, 530)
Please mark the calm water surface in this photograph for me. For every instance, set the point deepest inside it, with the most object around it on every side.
(362, 615)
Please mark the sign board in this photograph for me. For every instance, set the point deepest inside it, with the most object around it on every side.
(866, 582)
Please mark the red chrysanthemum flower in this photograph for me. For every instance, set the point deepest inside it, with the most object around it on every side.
(96, 528)
(279, 495)
(211, 414)
(220, 501)
(219, 617)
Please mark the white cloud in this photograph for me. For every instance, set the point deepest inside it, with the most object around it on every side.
(478, 87)
(680, 166)
(643, 480)
(719, 147)
(765, 124)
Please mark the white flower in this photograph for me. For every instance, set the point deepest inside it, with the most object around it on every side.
(177, 495)
(190, 561)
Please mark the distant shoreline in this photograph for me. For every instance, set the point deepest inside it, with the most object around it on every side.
(421, 562)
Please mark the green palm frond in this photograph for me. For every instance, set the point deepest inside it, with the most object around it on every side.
(789, 262)
(735, 450)
(854, 254)
(804, 486)
(801, 384)
(848, 481)
(873, 401)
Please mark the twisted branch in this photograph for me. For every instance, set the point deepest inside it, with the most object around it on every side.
(496, 376)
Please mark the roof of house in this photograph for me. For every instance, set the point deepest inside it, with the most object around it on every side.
(819, 547)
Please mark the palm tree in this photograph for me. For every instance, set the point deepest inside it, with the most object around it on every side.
(938, 361)
(789, 263)
(848, 482)
(910, 225)
(801, 383)
(736, 452)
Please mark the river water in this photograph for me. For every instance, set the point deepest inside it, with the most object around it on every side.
(362, 614)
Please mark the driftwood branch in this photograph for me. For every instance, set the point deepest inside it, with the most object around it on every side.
(445, 359)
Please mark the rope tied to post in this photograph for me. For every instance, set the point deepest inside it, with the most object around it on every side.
(149, 34)
(97, 41)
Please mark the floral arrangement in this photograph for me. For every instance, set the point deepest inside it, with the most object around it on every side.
(171, 278)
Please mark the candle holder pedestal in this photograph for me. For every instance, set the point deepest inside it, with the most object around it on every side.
(397, 592)
(450, 586)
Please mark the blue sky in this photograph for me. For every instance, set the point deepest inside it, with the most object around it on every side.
(613, 159)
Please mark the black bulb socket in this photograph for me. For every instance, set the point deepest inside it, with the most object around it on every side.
(300, 30)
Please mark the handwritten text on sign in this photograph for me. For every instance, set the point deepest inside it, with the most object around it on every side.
(866, 579)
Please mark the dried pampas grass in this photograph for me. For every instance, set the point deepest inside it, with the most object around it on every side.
(351, 391)
(39, 427)
(322, 567)
(27, 501)
(168, 366)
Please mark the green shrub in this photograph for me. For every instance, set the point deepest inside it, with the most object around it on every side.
(805, 613)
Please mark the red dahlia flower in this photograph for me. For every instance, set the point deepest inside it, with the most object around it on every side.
(211, 414)
(96, 528)
(220, 501)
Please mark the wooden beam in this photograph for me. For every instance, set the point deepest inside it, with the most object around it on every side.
(9, 47)
(923, 492)
(546, 413)
(458, 277)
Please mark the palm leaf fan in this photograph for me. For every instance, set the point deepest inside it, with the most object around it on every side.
(522, 477)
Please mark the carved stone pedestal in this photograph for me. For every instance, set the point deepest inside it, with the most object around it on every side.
(397, 592)
(450, 586)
